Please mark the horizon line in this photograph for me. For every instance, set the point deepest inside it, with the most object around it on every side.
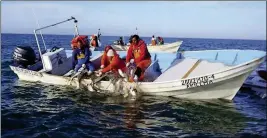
(150, 36)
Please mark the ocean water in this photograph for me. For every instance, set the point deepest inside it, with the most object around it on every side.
(42, 110)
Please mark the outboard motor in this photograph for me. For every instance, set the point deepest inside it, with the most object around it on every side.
(24, 56)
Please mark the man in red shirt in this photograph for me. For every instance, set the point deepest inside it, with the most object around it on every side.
(138, 54)
(111, 61)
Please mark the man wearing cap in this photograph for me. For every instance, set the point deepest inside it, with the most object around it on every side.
(111, 61)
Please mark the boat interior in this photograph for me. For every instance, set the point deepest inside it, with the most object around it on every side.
(199, 63)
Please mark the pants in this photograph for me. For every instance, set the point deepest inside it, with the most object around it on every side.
(89, 66)
(143, 65)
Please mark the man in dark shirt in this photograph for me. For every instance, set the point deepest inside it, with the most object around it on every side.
(81, 56)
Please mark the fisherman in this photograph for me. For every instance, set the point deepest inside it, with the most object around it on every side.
(121, 41)
(111, 61)
(160, 40)
(138, 54)
(81, 56)
(153, 41)
(94, 41)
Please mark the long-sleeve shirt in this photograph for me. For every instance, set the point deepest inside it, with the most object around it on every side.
(138, 52)
(104, 58)
(115, 64)
(80, 56)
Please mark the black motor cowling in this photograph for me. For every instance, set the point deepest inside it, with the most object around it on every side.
(24, 56)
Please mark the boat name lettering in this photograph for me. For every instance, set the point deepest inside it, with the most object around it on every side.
(199, 81)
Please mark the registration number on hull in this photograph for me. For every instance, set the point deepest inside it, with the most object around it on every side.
(199, 81)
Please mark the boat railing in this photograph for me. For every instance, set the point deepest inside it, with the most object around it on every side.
(216, 57)
(48, 26)
(235, 58)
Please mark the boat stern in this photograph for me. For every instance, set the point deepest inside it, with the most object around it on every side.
(25, 74)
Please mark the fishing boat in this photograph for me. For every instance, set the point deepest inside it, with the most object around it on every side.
(208, 74)
(169, 48)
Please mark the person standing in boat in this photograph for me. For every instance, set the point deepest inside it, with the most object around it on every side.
(138, 54)
(153, 41)
(94, 41)
(81, 55)
(111, 61)
(160, 40)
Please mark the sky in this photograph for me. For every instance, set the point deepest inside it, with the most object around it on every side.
(180, 19)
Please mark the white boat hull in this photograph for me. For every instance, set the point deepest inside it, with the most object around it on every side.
(171, 48)
(225, 88)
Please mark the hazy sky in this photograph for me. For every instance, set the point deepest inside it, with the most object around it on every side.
(203, 19)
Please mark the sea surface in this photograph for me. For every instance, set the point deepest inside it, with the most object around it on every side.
(39, 110)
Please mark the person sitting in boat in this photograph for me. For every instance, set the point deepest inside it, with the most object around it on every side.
(160, 40)
(121, 41)
(94, 41)
(153, 41)
(111, 61)
(81, 56)
(138, 54)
